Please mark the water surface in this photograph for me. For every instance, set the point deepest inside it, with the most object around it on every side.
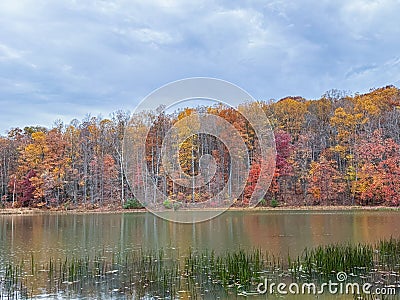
(279, 232)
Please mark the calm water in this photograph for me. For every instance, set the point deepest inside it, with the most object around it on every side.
(279, 232)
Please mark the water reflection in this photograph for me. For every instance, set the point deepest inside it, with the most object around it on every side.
(278, 232)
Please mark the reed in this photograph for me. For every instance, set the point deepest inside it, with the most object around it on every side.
(165, 274)
(323, 261)
(238, 270)
(389, 253)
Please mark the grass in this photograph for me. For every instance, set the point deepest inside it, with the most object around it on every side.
(239, 270)
(323, 261)
(166, 274)
(389, 253)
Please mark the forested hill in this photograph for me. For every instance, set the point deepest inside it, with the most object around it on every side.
(337, 150)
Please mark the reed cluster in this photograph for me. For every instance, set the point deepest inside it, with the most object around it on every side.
(323, 261)
(167, 274)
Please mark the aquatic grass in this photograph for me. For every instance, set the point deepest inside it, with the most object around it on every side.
(388, 252)
(11, 284)
(165, 273)
(323, 261)
(239, 269)
(138, 272)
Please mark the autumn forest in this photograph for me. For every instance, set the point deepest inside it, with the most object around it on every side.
(337, 150)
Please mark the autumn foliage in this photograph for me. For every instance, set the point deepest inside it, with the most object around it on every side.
(336, 150)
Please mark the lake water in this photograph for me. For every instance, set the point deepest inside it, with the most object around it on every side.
(279, 232)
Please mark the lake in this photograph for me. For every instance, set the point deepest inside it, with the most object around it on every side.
(279, 232)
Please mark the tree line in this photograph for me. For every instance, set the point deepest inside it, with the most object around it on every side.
(337, 150)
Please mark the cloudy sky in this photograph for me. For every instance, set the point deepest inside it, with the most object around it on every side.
(64, 59)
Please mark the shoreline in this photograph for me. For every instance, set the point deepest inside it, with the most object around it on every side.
(108, 210)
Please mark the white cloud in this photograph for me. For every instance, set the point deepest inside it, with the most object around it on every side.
(7, 53)
(71, 57)
(370, 20)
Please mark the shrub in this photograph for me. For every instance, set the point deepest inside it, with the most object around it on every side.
(132, 203)
(167, 204)
(274, 203)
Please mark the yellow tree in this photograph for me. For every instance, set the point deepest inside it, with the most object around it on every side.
(377, 107)
(289, 114)
(57, 165)
(43, 166)
(31, 165)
